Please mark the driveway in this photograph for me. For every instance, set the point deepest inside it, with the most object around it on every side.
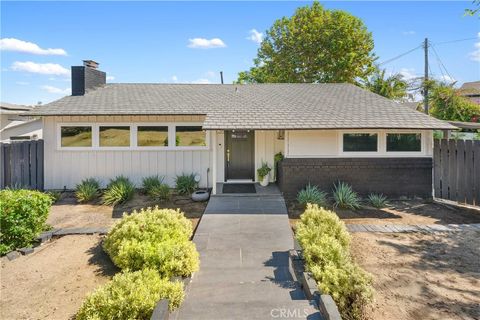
(243, 244)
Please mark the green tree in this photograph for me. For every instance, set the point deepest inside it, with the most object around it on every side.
(314, 45)
(447, 103)
(475, 10)
(392, 87)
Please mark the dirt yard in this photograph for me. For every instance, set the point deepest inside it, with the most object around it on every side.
(67, 213)
(52, 282)
(422, 276)
(403, 212)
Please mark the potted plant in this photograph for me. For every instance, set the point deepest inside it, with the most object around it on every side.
(263, 174)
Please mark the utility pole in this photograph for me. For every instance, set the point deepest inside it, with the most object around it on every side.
(425, 78)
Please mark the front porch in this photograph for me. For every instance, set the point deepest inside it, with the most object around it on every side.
(270, 190)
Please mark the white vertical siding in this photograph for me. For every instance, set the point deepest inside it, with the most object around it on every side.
(66, 168)
(266, 146)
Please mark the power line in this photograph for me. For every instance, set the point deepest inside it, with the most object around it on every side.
(440, 64)
(458, 40)
(400, 55)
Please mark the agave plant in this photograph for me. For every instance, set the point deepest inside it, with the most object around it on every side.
(119, 190)
(311, 194)
(345, 197)
(87, 190)
(377, 200)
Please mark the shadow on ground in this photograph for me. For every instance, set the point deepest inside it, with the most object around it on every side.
(99, 258)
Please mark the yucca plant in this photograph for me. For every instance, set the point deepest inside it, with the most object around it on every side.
(119, 190)
(344, 197)
(185, 184)
(311, 194)
(148, 183)
(160, 192)
(377, 200)
(87, 190)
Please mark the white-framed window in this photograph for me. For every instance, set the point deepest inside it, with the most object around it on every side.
(132, 136)
(360, 142)
(403, 142)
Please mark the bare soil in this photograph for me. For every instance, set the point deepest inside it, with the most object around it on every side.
(67, 213)
(402, 212)
(422, 276)
(52, 282)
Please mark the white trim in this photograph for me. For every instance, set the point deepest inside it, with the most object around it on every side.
(133, 136)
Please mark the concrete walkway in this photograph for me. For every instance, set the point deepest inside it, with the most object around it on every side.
(243, 244)
(397, 228)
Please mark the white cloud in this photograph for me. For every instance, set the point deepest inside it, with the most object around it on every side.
(174, 79)
(203, 43)
(446, 79)
(202, 81)
(255, 36)
(408, 73)
(408, 33)
(55, 90)
(110, 78)
(475, 54)
(210, 74)
(12, 44)
(42, 68)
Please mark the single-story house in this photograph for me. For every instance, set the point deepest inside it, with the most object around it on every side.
(326, 132)
(14, 126)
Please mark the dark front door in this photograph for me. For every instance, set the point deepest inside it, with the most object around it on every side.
(239, 154)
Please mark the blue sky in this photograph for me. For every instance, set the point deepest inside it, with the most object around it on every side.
(155, 41)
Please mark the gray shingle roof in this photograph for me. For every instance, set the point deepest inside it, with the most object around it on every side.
(259, 106)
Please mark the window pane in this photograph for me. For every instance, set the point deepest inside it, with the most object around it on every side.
(115, 136)
(76, 136)
(190, 136)
(360, 142)
(404, 142)
(148, 136)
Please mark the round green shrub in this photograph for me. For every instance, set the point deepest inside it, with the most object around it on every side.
(155, 238)
(22, 217)
(131, 295)
(316, 222)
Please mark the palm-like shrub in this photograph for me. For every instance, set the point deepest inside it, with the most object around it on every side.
(311, 194)
(154, 238)
(377, 200)
(344, 197)
(148, 183)
(185, 184)
(118, 191)
(131, 295)
(87, 190)
(161, 192)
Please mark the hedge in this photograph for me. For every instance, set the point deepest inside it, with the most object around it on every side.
(326, 248)
(22, 217)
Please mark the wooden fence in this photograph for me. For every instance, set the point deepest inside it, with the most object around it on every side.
(456, 166)
(21, 165)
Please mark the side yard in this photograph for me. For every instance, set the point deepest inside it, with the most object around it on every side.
(53, 281)
(422, 276)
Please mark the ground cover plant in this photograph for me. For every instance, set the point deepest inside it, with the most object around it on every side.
(131, 295)
(326, 248)
(154, 187)
(23, 214)
(377, 200)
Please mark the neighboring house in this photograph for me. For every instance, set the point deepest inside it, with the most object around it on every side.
(13, 126)
(223, 133)
(471, 90)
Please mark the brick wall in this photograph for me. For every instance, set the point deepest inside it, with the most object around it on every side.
(394, 177)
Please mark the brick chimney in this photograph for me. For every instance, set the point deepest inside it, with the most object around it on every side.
(87, 77)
